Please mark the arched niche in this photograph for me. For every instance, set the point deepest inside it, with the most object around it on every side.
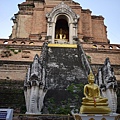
(62, 29)
(62, 13)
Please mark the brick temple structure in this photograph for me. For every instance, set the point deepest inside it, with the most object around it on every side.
(56, 22)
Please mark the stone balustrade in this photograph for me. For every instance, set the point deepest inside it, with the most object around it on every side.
(101, 46)
(40, 43)
(21, 42)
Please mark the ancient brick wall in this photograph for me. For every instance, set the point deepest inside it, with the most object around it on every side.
(39, 22)
(31, 20)
(16, 56)
(13, 70)
(12, 95)
(97, 54)
(98, 29)
(24, 26)
(86, 23)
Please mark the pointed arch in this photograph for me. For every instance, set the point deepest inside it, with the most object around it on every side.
(65, 13)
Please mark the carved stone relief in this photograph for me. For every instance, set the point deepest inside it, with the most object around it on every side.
(67, 13)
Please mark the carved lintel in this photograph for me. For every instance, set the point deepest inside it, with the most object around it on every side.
(62, 8)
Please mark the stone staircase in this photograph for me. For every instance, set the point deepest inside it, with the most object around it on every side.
(65, 79)
(64, 67)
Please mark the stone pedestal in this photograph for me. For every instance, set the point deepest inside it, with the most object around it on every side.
(96, 116)
(84, 109)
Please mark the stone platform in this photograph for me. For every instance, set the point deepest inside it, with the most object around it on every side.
(42, 117)
(112, 116)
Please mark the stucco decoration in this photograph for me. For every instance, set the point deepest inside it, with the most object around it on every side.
(62, 8)
(35, 85)
(108, 84)
(62, 11)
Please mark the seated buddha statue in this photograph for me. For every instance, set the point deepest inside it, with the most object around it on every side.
(61, 33)
(93, 102)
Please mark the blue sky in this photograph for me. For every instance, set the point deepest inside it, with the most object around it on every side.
(109, 9)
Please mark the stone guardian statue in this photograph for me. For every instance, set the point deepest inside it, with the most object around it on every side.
(108, 84)
(34, 88)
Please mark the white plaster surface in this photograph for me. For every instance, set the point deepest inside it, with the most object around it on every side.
(95, 116)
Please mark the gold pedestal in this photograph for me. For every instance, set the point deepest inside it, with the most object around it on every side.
(94, 110)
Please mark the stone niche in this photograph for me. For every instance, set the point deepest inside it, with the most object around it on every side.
(62, 24)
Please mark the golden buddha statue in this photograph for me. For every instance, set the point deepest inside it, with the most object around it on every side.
(93, 102)
(61, 33)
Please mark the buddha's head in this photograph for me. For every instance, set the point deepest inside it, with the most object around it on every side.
(91, 77)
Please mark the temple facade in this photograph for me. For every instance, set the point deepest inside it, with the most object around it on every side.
(55, 22)
(40, 20)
